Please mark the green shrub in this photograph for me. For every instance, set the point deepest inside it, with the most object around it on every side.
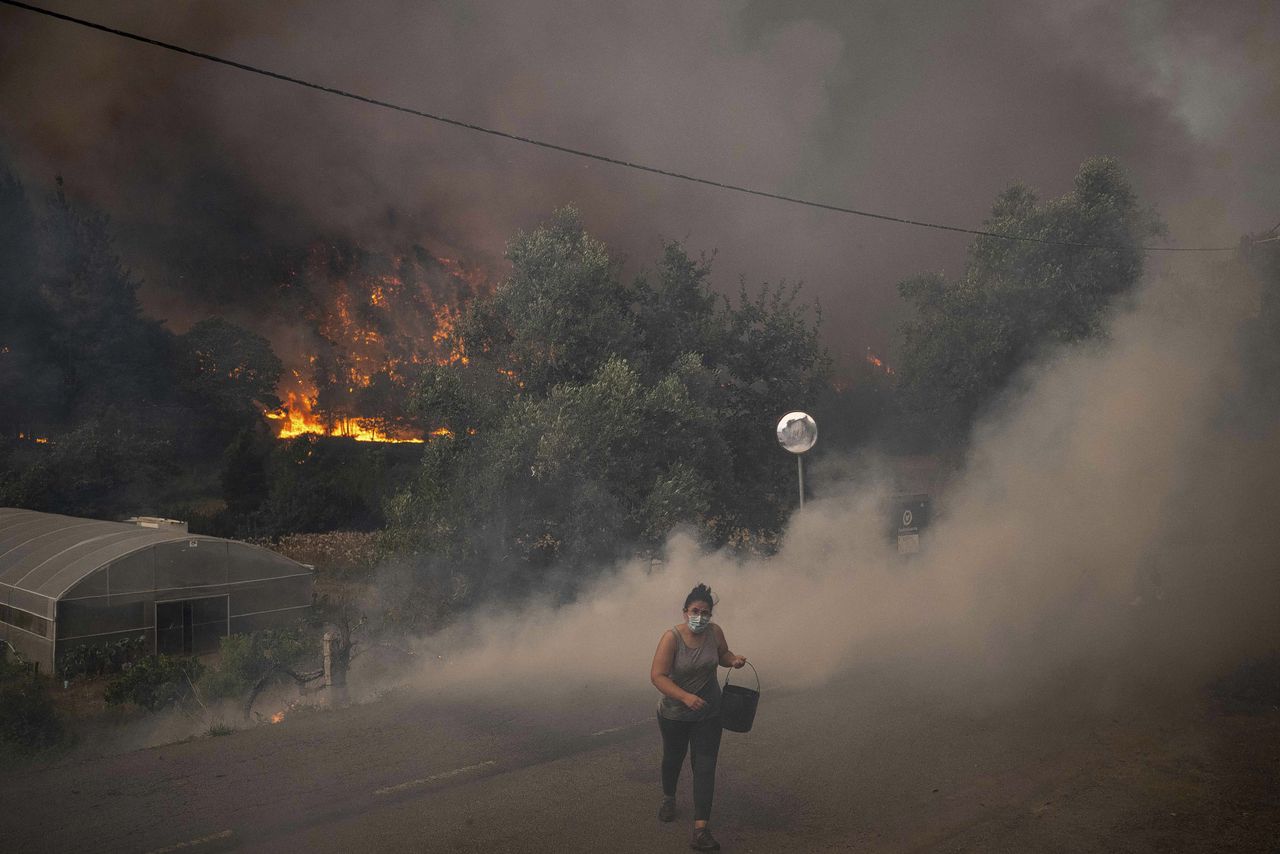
(155, 682)
(247, 659)
(100, 659)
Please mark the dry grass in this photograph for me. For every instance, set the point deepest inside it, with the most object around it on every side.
(334, 553)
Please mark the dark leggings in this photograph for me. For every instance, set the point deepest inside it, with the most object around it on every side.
(705, 738)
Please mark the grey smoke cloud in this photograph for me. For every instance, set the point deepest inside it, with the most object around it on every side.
(912, 109)
(1108, 535)
(1105, 530)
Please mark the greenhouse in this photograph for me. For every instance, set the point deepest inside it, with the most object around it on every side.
(66, 582)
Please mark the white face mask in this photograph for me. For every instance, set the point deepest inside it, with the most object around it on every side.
(699, 624)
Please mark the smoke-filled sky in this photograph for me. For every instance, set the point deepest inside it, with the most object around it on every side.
(921, 110)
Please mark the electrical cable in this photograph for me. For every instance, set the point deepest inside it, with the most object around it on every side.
(576, 152)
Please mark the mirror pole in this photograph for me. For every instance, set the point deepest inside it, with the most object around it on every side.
(800, 468)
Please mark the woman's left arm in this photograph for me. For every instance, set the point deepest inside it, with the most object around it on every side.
(728, 658)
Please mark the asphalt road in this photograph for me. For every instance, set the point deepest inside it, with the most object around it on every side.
(863, 765)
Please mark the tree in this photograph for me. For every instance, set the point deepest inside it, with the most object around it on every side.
(228, 376)
(563, 310)
(597, 468)
(970, 337)
(772, 362)
(108, 353)
(676, 313)
(30, 382)
(590, 416)
(244, 471)
(107, 465)
(81, 371)
(248, 663)
(231, 368)
(325, 484)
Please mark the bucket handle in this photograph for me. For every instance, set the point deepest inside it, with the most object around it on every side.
(753, 670)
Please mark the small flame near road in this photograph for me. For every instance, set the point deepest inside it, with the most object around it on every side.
(278, 717)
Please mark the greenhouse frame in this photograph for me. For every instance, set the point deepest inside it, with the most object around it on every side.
(67, 582)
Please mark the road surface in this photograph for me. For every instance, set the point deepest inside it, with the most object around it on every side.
(867, 764)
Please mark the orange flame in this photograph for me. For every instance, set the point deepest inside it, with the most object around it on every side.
(277, 717)
(475, 277)
(444, 337)
(876, 362)
(381, 322)
(297, 418)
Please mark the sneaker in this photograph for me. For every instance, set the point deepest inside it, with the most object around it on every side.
(667, 811)
(703, 840)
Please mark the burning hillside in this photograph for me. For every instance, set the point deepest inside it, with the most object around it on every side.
(369, 320)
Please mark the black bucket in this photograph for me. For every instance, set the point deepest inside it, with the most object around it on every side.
(738, 704)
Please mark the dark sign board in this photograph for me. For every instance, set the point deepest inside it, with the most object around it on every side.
(908, 516)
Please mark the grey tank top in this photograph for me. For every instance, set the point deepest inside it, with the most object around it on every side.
(694, 670)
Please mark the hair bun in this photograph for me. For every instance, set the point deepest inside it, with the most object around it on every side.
(700, 593)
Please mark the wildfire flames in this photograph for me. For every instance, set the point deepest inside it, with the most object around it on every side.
(297, 418)
(855, 373)
(876, 362)
(277, 717)
(374, 320)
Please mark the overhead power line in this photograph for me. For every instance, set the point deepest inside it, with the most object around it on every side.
(577, 152)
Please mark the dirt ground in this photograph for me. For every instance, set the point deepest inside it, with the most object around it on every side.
(1204, 781)
(1222, 782)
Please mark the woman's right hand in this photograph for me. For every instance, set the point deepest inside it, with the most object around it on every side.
(694, 702)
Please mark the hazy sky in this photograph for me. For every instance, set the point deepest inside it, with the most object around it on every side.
(920, 110)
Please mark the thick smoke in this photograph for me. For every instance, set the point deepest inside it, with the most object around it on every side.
(1108, 529)
(1109, 522)
(907, 108)
(1108, 536)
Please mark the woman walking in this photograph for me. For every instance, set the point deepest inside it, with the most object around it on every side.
(684, 670)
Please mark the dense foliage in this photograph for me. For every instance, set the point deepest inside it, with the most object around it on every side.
(585, 414)
(247, 660)
(591, 415)
(246, 663)
(155, 682)
(107, 412)
(102, 659)
(969, 338)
